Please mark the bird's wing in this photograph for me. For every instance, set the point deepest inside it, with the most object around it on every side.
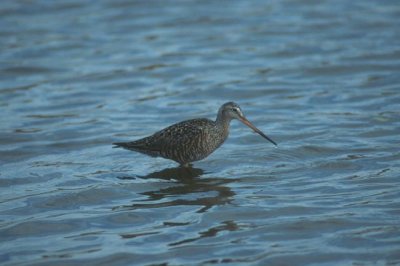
(174, 137)
(180, 134)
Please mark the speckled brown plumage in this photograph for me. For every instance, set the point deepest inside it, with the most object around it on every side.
(190, 140)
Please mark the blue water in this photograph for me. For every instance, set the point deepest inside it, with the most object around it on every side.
(321, 78)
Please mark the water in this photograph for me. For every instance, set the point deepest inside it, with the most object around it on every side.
(321, 78)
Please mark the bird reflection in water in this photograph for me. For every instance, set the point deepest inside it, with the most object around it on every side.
(209, 191)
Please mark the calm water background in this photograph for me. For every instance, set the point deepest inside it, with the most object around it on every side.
(319, 77)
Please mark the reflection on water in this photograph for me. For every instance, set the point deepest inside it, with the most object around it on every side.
(182, 174)
(211, 232)
(188, 189)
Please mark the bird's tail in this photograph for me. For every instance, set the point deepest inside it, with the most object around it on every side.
(124, 145)
(138, 147)
(133, 146)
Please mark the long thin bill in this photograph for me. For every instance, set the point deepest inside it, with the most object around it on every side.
(250, 125)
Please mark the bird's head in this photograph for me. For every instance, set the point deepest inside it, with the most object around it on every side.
(231, 110)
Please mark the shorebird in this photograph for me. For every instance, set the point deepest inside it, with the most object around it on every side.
(191, 140)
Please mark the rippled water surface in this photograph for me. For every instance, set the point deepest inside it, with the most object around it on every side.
(321, 78)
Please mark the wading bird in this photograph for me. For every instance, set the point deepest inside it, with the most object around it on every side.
(191, 140)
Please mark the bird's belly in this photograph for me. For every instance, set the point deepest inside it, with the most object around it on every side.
(190, 152)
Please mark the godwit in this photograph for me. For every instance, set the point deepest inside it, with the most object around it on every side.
(191, 140)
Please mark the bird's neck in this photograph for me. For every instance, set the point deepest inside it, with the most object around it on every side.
(223, 122)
